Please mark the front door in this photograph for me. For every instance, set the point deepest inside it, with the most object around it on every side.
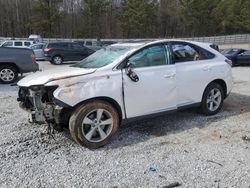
(244, 58)
(156, 89)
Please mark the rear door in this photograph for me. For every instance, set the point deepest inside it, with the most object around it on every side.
(79, 52)
(194, 71)
(65, 51)
(156, 89)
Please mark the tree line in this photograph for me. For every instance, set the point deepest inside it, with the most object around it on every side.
(123, 18)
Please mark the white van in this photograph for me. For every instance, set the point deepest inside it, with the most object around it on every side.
(17, 44)
(36, 38)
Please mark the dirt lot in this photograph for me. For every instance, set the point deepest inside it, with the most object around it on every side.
(188, 148)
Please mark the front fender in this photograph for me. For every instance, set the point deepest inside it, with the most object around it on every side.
(109, 86)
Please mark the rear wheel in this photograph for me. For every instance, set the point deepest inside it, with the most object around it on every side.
(94, 124)
(212, 100)
(8, 74)
(57, 60)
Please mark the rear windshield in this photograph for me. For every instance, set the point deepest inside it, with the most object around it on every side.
(102, 57)
(230, 51)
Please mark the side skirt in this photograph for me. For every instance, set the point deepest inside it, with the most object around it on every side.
(150, 116)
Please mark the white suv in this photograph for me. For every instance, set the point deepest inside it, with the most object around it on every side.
(127, 81)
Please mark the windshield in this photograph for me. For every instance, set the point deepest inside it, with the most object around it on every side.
(102, 57)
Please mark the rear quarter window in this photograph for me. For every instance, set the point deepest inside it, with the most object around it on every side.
(186, 52)
(27, 43)
(205, 54)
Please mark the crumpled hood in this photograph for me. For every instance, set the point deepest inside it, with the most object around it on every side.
(41, 78)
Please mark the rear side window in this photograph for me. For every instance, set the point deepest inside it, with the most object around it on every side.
(88, 43)
(18, 44)
(27, 43)
(76, 46)
(58, 45)
(246, 53)
(184, 52)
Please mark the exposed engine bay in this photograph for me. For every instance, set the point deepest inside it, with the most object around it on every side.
(39, 102)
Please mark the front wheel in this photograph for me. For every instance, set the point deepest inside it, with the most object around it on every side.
(8, 74)
(212, 100)
(94, 124)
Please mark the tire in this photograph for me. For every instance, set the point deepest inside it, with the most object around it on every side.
(212, 100)
(93, 133)
(8, 74)
(57, 60)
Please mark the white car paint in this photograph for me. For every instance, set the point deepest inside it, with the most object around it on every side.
(44, 77)
(160, 88)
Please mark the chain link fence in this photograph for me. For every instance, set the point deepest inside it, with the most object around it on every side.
(220, 40)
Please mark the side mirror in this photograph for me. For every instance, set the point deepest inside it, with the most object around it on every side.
(130, 73)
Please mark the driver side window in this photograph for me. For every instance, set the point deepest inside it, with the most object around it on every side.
(150, 56)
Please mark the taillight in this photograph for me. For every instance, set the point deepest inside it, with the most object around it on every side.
(229, 62)
(47, 49)
(33, 58)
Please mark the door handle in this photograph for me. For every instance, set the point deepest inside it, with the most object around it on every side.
(207, 68)
(169, 75)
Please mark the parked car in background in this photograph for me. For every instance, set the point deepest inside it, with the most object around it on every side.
(17, 44)
(94, 45)
(244, 58)
(214, 46)
(38, 50)
(59, 52)
(107, 43)
(36, 38)
(14, 61)
(125, 82)
(236, 56)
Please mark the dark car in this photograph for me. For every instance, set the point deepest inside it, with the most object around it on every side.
(107, 43)
(14, 61)
(91, 44)
(237, 56)
(216, 47)
(59, 52)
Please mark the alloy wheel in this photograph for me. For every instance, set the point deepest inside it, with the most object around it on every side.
(57, 60)
(97, 125)
(214, 99)
(7, 75)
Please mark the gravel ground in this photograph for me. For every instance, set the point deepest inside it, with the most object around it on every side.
(188, 148)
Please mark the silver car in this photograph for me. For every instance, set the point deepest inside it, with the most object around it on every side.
(38, 50)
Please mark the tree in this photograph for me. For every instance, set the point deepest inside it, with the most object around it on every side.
(47, 16)
(233, 16)
(169, 18)
(94, 13)
(138, 18)
(198, 16)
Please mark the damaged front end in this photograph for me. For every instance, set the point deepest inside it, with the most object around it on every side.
(41, 105)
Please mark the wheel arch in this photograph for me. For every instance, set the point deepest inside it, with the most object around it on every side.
(109, 100)
(11, 64)
(222, 83)
(57, 55)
